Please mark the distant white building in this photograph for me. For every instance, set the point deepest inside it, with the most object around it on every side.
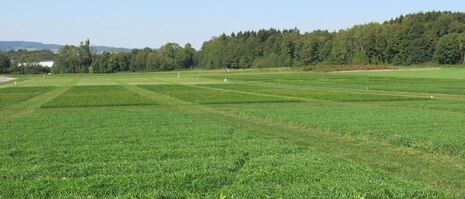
(47, 63)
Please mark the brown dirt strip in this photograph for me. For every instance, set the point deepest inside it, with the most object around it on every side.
(388, 70)
(6, 79)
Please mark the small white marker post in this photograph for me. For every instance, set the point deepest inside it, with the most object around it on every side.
(179, 75)
(15, 83)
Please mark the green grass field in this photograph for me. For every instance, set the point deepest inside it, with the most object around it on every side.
(11, 95)
(264, 134)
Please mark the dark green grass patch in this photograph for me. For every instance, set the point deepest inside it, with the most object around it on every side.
(315, 94)
(442, 106)
(164, 153)
(430, 130)
(13, 95)
(94, 96)
(207, 96)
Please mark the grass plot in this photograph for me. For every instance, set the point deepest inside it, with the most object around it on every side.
(206, 96)
(155, 152)
(315, 94)
(13, 95)
(95, 96)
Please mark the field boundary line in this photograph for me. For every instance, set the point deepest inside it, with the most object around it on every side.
(298, 99)
(30, 105)
(158, 97)
(457, 97)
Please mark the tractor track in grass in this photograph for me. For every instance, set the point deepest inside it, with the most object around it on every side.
(439, 170)
(30, 105)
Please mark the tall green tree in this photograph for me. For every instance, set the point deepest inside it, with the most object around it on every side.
(73, 59)
(184, 57)
(447, 50)
(85, 56)
(170, 50)
(341, 51)
(5, 63)
(461, 44)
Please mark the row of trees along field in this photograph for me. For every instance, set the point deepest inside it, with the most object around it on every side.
(81, 59)
(432, 37)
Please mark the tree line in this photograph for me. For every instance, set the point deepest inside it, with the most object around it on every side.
(25, 61)
(432, 37)
(82, 59)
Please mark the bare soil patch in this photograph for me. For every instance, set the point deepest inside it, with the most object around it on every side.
(6, 79)
(387, 70)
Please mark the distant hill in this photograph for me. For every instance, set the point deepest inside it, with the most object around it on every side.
(16, 45)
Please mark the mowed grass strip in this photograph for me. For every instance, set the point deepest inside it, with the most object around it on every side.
(166, 153)
(360, 81)
(13, 95)
(95, 96)
(429, 130)
(314, 94)
(206, 96)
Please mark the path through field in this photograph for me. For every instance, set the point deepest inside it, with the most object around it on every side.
(389, 70)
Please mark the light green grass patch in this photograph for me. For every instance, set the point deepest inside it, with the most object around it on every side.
(310, 176)
(56, 81)
(315, 94)
(358, 82)
(435, 131)
(94, 96)
(93, 81)
(207, 96)
(11, 95)
(443, 73)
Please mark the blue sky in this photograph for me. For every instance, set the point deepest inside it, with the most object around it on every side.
(141, 23)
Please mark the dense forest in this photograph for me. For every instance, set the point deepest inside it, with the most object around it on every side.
(421, 38)
(433, 37)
